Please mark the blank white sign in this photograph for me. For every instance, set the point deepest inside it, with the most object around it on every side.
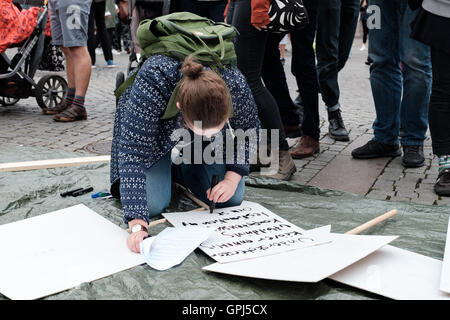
(396, 273)
(53, 252)
(445, 273)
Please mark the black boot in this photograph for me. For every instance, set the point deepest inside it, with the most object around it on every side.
(374, 149)
(442, 186)
(337, 129)
(413, 156)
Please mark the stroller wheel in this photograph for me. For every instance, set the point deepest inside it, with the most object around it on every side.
(50, 91)
(120, 78)
(6, 101)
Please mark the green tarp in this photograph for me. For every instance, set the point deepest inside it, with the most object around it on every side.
(421, 228)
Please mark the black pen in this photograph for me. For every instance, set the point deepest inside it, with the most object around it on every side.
(214, 182)
(79, 193)
(69, 193)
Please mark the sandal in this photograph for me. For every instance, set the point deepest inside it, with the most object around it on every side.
(72, 113)
(58, 109)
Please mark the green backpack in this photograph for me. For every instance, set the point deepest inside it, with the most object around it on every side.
(183, 34)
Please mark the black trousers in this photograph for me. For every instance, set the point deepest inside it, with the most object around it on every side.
(97, 19)
(365, 30)
(303, 68)
(250, 46)
(439, 110)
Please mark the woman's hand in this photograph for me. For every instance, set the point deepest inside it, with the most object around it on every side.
(134, 240)
(225, 189)
(260, 28)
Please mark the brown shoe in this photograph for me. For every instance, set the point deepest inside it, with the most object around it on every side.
(286, 167)
(58, 109)
(72, 113)
(306, 147)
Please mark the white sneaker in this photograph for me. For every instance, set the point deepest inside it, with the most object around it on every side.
(363, 47)
(114, 51)
(93, 66)
(98, 51)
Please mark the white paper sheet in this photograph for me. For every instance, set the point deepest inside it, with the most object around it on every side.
(244, 232)
(172, 245)
(445, 273)
(57, 251)
(396, 273)
(310, 264)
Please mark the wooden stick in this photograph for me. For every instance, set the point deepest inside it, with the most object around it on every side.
(373, 222)
(192, 197)
(48, 164)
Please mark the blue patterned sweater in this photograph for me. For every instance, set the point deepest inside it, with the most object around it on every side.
(141, 138)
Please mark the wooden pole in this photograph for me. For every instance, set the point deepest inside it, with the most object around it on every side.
(48, 164)
(373, 222)
(192, 197)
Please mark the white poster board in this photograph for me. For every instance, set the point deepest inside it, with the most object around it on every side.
(244, 232)
(57, 251)
(396, 273)
(445, 273)
(310, 264)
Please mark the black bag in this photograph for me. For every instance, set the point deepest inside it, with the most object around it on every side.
(287, 15)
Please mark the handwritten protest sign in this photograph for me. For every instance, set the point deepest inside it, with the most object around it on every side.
(244, 232)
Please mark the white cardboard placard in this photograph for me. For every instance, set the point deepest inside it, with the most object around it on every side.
(244, 232)
(310, 264)
(57, 251)
(445, 273)
(396, 273)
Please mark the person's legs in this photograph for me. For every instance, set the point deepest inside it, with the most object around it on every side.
(197, 178)
(349, 22)
(439, 111)
(305, 71)
(386, 83)
(92, 39)
(275, 81)
(439, 117)
(329, 55)
(99, 12)
(74, 20)
(250, 49)
(416, 61)
(159, 185)
(327, 49)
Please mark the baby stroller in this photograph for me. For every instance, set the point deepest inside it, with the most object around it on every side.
(16, 75)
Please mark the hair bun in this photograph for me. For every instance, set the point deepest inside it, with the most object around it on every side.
(191, 68)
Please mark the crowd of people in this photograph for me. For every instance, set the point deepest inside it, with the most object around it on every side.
(409, 58)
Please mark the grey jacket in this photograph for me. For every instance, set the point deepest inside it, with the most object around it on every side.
(438, 7)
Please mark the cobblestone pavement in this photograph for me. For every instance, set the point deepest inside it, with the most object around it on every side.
(24, 124)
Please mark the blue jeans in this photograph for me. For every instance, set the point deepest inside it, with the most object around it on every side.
(400, 65)
(337, 22)
(196, 177)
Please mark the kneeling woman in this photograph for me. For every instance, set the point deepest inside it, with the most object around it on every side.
(144, 130)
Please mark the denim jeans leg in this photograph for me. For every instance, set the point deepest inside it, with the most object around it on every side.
(416, 60)
(385, 72)
(197, 178)
(158, 185)
(327, 49)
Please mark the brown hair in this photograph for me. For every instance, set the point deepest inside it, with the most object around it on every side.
(203, 95)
